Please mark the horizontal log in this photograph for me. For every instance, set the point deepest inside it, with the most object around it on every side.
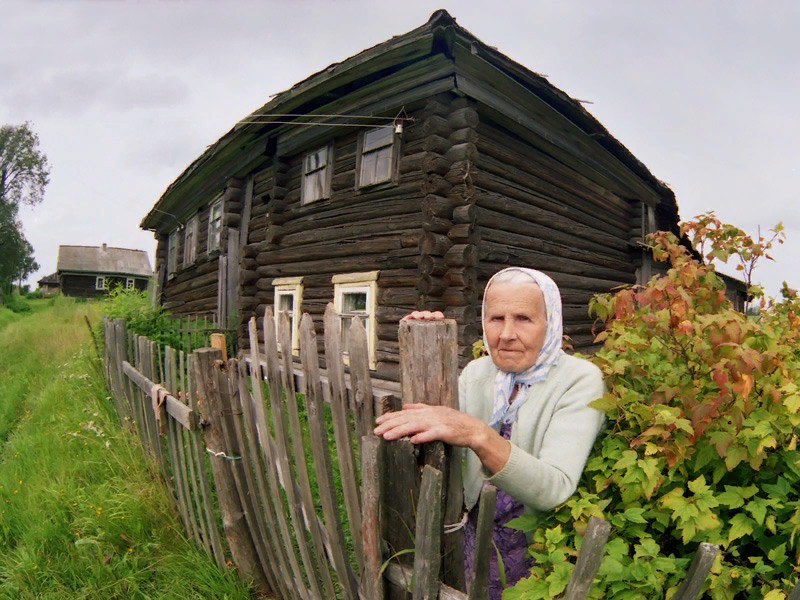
(462, 233)
(403, 258)
(463, 117)
(356, 229)
(438, 225)
(344, 181)
(432, 265)
(434, 244)
(461, 255)
(465, 214)
(398, 296)
(459, 297)
(465, 135)
(466, 151)
(341, 249)
(435, 184)
(462, 277)
(432, 125)
(462, 172)
(437, 206)
(431, 286)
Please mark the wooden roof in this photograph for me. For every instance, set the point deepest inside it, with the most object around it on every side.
(103, 260)
(475, 68)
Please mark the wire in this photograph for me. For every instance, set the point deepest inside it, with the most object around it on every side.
(314, 124)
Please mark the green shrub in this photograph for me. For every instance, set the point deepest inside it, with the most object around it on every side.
(35, 295)
(703, 407)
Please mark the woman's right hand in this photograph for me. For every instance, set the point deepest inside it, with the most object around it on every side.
(424, 315)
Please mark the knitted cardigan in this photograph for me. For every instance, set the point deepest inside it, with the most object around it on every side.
(551, 438)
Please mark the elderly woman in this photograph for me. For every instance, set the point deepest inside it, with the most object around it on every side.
(524, 414)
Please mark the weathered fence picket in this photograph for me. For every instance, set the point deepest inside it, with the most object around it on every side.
(235, 457)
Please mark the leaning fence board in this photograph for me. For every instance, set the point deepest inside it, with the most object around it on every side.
(698, 571)
(589, 559)
(333, 360)
(273, 476)
(322, 461)
(171, 379)
(479, 587)
(283, 453)
(795, 593)
(371, 462)
(403, 576)
(267, 543)
(301, 469)
(428, 535)
(358, 353)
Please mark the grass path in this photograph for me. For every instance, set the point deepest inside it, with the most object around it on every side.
(80, 514)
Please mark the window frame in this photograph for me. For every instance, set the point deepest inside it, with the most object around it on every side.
(100, 282)
(216, 204)
(394, 158)
(289, 286)
(130, 283)
(359, 282)
(190, 242)
(327, 176)
(172, 254)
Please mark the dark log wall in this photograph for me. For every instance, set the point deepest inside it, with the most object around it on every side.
(535, 211)
(85, 285)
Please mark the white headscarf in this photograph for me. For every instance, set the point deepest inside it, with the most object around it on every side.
(549, 355)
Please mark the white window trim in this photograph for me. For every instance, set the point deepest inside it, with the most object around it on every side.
(130, 283)
(326, 192)
(190, 242)
(211, 207)
(293, 286)
(172, 254)
(100, 283)
(395, 157)
(359, 282)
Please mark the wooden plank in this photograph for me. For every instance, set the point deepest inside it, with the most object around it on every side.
(361, 383)
(183, 462)
(232, 276)
(795, 593)
(371, 516)
(427, 555)
(589, 559)
(402, 577)
(213, 399)
(479, 578)
(400, 492)
(175, 408)
(246, 212)
(333, 361)
(272, 458)
(267, 541)
(698, 571)
(171, 379)
(309, 358)
(428, 360)
(209, 523)
(301, 468)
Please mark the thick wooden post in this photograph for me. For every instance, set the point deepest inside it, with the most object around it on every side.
(208, 380)
(589, 559)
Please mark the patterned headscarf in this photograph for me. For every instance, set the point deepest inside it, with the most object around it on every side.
(551, 352)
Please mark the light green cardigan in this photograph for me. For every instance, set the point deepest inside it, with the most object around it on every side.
(551, 439)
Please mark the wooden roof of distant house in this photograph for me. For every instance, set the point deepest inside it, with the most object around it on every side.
(51, 279)
(103, 260)
(248, 141)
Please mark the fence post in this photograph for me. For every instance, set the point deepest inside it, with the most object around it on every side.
(209, 380)
(429, 375)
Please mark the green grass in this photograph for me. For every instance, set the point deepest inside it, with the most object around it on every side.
(81, 515)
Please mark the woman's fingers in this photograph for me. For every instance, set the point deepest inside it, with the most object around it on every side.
(424, 315)
(426, 423)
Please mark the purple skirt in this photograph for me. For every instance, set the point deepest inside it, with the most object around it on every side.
(511, 544)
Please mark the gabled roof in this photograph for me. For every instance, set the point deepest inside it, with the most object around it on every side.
(51, 279)
(103, 260)
(248, 142)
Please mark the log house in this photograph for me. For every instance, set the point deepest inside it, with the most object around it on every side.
(402, 178)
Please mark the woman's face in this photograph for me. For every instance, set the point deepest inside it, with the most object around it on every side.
(515, 325)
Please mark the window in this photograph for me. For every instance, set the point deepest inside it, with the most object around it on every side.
(172, 254)
(100, 283)
(378, 156)
(355, 295)
(190, 242)
(130, 283)
(288, 297)
(214, 225)
(317, 170)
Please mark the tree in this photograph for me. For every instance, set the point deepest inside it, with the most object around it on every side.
(24, 170)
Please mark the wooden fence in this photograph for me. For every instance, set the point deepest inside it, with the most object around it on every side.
(276, 468)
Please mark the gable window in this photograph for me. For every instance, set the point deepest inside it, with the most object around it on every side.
(190, 242)
(377, 158)
(317, 169)
(214, 225)
(100, 283)
(355, 295)
(288, 298)
(130, 283)
(172, 253)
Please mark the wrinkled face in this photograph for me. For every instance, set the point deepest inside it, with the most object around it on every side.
(515, 325)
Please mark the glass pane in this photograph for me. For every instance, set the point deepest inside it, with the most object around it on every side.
(286, 303)
(383, 136)
(354, 302)
(315, 160)
(314, 185)
(376, 167)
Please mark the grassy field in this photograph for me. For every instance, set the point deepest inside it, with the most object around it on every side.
(81, 515)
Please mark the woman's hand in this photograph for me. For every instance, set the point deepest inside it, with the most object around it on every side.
(424, 315)
(426, 423)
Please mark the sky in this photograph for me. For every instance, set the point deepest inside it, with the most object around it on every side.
(124, 95)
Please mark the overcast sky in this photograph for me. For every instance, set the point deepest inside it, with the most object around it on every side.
(124, 95)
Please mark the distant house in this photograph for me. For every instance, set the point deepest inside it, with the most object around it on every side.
(49, 284)
(90, 271)
(402, 178)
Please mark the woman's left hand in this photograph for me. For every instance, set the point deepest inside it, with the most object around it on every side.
(427, 423)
